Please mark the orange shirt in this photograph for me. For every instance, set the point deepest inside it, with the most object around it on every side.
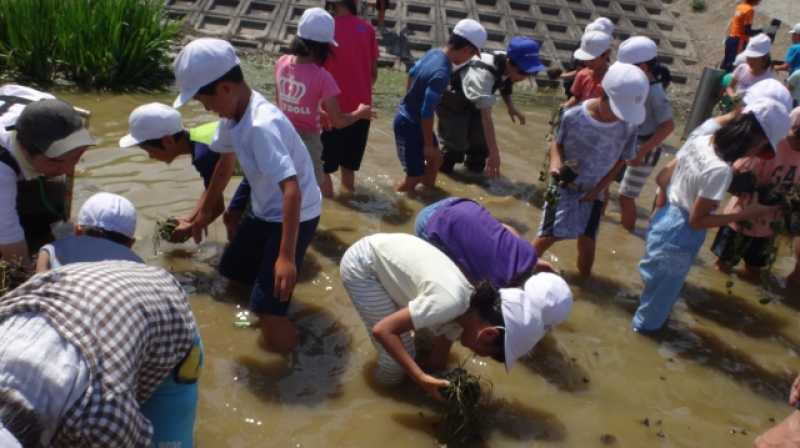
(741, 19)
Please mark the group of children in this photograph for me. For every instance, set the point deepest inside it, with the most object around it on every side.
(464, 276)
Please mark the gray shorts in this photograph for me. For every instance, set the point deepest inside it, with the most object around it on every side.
(313, 143)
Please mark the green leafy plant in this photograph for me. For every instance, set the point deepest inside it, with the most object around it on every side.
(698, 5)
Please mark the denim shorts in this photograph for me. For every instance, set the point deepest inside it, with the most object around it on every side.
(410, 145)
(251, 256)
(424, 216)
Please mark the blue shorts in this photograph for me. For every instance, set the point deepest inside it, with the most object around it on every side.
(172, 408)
(410, 145)
(251, 256)
(424, 216)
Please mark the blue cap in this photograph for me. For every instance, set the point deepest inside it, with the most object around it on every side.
(524, 53)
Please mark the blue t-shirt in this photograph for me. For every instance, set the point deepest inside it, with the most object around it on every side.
(430, 77)
(479, 244)
(793, 57)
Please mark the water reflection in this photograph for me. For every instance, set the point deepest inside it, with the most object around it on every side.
(550, 361)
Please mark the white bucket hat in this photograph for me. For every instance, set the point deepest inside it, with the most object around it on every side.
(593, 45)
(627, 88)
(317, 25)
(773, 118)
(200, 63)
(545, 301)
(110, 212)
(769, 88)
(151, 121)
(637, 50)
(472, 31)
(795, 29)
(759, 46)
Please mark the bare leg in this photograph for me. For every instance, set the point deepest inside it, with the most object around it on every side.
(721, 266)
(586, 249)
(408, 184)
(794, 277)
(327, 186)
(628, 211)
(432, 164)
(348, 178)
(279, 333)
(542, 243)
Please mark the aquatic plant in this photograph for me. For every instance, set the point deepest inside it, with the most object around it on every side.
(461, 423)
(165, 231)
(698, 5)
(102, 44)
(12, 274)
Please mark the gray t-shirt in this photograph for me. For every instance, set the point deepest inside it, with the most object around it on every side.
(478, 84)
(658, 109)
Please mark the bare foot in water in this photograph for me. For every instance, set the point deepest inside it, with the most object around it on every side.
(407, 185)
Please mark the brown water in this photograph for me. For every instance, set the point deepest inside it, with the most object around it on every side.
(716, 380)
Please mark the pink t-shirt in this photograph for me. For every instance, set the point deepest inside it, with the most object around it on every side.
(783, 169)
(301, 90)
(586, 85)
(352, 61)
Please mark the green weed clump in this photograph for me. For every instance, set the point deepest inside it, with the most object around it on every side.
(99, 44)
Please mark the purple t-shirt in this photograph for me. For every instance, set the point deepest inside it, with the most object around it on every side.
(479, 244)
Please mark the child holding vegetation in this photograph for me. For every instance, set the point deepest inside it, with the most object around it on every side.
(285, 201)
(753, 240)
(691, 188)
(303, 85)
(594, 142)
(417, 147)
(399, 284)
(158, 130)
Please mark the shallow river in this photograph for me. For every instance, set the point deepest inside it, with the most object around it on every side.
(719, 376)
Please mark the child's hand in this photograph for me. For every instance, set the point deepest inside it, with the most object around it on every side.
(325, 120)
(431, 385)
(794, 393)
(365, 112)
(183, 232)
(285, 278)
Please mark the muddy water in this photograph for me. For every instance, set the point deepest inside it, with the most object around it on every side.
(719, 376)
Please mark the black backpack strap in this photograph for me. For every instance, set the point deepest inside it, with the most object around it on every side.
(9, 101)
(8, 159)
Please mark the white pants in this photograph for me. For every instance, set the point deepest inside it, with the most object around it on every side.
(373, 304)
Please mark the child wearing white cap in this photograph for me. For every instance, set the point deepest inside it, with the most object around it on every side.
(754, 242)
(417, 147)
(285, 201)
(158, 129)
(594, 53)
(656, 127)
(304, 86)
(691, 188)
(399, 284)
(105, 231)
(594, 142)
(757, 68)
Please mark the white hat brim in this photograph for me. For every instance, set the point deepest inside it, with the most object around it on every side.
(629, 113)
(128, 141)
(184, 97)
(582, 55)
(753, 54)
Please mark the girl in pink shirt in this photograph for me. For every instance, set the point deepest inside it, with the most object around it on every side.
(303, 85)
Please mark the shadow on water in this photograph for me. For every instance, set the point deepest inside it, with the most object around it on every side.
(328, 243)
(310, 375)
(532, 194)
(557, 367)
(512, 418)
(691, 343)
(391, 210)
(310, 269)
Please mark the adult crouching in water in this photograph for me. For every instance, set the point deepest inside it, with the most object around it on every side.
(49, 141)
(399, 283)
(691, 188)
(465, 126)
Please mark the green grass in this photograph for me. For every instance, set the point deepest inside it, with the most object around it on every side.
(100, 44)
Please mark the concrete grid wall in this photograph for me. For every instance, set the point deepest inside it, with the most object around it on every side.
(557, 24)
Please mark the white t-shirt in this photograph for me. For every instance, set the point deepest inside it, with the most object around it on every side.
(420, 276)
(269, 151)
(745, 78)
(699, 173)
(478, 82)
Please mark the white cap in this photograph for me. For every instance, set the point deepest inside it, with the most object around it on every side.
(472, 31)
(602, 24)
(773, 118)
(317, 25)
(149, 122)
(637, 50)
(795, 29)
(627, 87)
(200, 63)
(758, 46)
(110, 212)
(769, 88)
(528, 313)
(593, 45)
(7, 440)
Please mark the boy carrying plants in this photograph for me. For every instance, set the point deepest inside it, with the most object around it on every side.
(417, 147)
(285, 201)
(158, 130)
(598, 137)
(400, 284)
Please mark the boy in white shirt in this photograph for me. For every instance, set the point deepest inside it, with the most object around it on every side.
(285, 202)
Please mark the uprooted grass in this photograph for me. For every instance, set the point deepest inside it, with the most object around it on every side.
(99, 44)
(466, 397)
(12, 274)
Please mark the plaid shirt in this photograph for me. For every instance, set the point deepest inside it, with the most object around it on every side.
(132, 324)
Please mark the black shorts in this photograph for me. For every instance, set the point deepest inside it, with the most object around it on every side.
(345, 147)
(731, 247)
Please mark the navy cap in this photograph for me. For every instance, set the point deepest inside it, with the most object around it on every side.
(524, 53)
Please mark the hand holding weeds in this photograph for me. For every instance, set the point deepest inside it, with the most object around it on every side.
(433, 386)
